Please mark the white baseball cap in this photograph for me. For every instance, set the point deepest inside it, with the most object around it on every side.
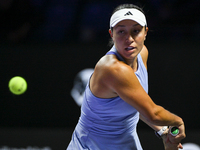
(128, 14)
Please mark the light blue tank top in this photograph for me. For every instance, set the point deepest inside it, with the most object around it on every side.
(108, 124)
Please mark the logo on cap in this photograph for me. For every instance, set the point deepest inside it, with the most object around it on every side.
(128, 13)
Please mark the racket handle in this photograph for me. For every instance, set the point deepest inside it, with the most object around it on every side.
(174, 131)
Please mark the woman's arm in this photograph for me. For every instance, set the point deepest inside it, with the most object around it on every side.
(123, 81)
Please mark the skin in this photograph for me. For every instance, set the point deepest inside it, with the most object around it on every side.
(112, 78)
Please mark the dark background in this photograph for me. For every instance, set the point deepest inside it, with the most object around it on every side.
(49, 41)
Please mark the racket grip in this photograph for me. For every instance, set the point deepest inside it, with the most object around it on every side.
(174, 131)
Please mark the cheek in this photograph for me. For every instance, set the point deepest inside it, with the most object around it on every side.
(143, 35)
(141, 38)
(117, 39)
(120, 38)
(119, 42)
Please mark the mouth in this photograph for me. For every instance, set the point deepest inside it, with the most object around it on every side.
(129, 48)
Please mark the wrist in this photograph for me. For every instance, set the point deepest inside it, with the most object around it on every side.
(179, 122)
(161, 132)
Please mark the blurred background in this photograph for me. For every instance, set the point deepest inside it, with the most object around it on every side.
(48, 42)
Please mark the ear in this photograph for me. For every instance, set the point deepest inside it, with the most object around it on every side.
(110, 32)
(146, 32)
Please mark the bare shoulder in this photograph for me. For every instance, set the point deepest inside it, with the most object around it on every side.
(144, 54)
(108, 73)
(116, 74)
(111, 67)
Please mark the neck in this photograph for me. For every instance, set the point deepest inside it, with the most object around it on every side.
(133, 64)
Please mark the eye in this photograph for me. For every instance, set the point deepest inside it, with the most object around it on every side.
(121, 31)
(136, 31)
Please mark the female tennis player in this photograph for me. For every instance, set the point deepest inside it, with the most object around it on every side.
(116, 95)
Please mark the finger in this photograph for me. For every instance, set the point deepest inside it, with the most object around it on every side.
(180, 146)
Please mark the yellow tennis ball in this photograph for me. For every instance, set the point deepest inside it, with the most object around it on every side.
(17, 85)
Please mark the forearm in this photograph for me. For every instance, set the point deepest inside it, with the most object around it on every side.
(154, 127)
(165, 118)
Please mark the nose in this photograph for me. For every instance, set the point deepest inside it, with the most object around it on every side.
(130, 39)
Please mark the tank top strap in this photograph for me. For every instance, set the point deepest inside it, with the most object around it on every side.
(114, 51)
